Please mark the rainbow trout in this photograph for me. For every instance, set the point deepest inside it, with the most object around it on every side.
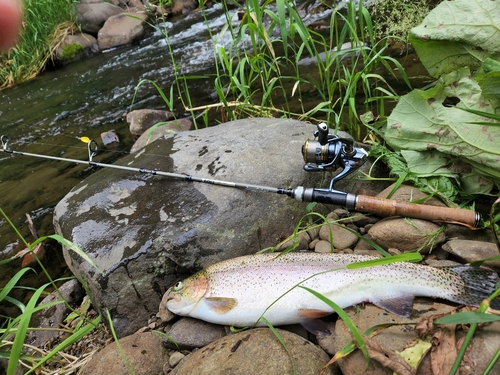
(239, 291)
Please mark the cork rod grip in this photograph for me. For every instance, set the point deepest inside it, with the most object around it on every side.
(388, 207)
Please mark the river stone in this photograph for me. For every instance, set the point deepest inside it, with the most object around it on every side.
(256, 351)
(121, 29)
(471, 251)
(146, 232)
(141, 120)
(92, 15)
(406, 235)
(189, 333)
(395, 338)
(183, 124)
(53, 317)
(338, 236)
(86, 41)
(143, 351)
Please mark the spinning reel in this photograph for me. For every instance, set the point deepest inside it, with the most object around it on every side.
(330, 152)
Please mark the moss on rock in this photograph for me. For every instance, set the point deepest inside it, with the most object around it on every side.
(70, 51)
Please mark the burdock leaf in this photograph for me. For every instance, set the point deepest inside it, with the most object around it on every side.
(425, 122)
(456, 34)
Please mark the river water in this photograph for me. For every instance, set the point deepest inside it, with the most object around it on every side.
(86, 98)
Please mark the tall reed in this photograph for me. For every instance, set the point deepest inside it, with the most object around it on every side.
(261, 73)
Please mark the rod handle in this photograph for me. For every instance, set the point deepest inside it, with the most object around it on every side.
(389, 207)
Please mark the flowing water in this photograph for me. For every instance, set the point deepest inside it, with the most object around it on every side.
(85, 98)
(47, 115)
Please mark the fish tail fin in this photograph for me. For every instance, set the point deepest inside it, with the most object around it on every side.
(478, 283)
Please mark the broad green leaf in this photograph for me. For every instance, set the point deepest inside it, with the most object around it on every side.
(456, 34)
(428, 163)
(423, 121)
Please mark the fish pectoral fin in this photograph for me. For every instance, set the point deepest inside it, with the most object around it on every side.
(398, 305)
(221, 305)
(316, 327)
(313, 313)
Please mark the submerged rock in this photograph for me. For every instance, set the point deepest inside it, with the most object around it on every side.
(146, 232)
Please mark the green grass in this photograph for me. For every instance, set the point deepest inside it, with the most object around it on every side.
(45, 22)
(16, 350)
(267, 80)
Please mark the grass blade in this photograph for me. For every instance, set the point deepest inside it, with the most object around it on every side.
(343, 315)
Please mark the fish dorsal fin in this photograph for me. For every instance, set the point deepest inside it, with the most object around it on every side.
(221, 305)
(398, 305)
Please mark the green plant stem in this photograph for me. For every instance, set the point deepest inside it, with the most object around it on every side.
(470, 334)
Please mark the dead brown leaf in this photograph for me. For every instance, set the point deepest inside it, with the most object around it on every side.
(426, 326)
(387, 357)
(444, 350)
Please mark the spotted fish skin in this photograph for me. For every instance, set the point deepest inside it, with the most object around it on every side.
(240, 291)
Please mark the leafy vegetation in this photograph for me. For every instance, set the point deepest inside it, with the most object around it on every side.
(44, 24)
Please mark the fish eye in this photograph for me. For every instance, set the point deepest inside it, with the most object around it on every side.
(179, 285)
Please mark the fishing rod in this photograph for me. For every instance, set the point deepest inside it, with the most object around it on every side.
(327, 152)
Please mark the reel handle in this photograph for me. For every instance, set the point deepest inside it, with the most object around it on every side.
(387, 207)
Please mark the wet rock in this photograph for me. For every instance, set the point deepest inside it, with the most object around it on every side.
(110, 138)
(141, 120)
(338, 236)
(86, 42)
(407, 235)
(171, 127)
(146, 232)
(53, 317)
(121, 29)
(92, 15)
(189, 333)
(183, 6)
(143, 351)
(242, 353)
(471, 251)
(394, 338)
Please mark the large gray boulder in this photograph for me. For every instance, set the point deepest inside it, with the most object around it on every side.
(122, 29)
(146, 232)
(92, 15)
